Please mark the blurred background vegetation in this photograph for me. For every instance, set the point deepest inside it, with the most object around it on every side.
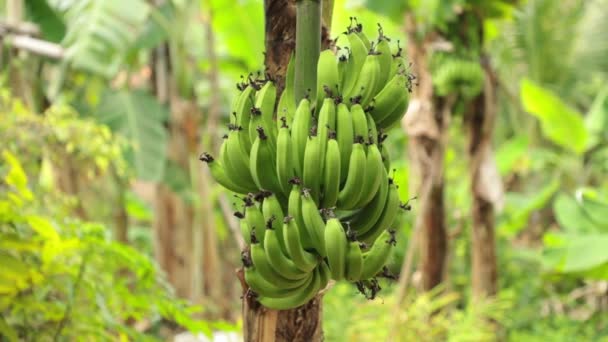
(111, 229)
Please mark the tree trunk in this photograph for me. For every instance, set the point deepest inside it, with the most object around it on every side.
(303, 323)
(173, 235)
(426, 124)
(486, 187)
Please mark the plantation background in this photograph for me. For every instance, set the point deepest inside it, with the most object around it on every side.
(110, 227)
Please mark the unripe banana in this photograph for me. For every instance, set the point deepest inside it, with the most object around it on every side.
(386, 158)
(260, 261)
(373, 175)
(372, 135)
(285, 169)
(394, 117)
(385, 102)
(262, 163)
(273, 216)
(287, 103)
(300, 130)
(331, 174)
(312, 172)
(303, 260)
(345, 136)
(264, 102)
(357, 29)
(236, 159)
(336, 245)
(279, 261)
(351, 192)
(354, 258)
(295, 211)
(328, 80)
(385, 57)
(297, 298)
(243, 227)
(377, 256)
(219, 174)
(367, 83)
(359, 118)
(265, 287)
(386, 219)
(365, 219)
(326, 122)
(255, 219)
(313, 222)
(356, 58)
(244, 103)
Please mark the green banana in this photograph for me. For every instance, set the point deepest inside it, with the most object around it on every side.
(331, 174)
(372, 135)
(294, 209)
(219, 174)
(386, 219)
(312, 172)
(373, 175)
(236, 159)
(336, 245)
(357, 29)
(354, 258)
(364, 219)
(326, 122)
(265, 287)
(367, 84)
(386, 158)
(262, 163)
(389, 98)
(300, 130)
(264, 101)
(395, 116)
(303, 260)
(356, 58)
(287, 102)
(263, 266)
(377, 256)
(351, 192)
(313, 222)
(242, 111)
(359, 118)
(298, 297)
(345, 136)
(243, 227)
(328, 79)
(279, 261)
(273, 216)
(285, 170)
(385, 57)
(255, 219)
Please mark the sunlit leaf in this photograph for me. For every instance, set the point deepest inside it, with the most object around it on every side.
(561, 124)
(141, 118)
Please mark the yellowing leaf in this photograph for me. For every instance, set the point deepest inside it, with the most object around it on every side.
(43, 227)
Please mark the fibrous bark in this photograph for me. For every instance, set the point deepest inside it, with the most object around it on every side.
(426, 124)
(486, 187)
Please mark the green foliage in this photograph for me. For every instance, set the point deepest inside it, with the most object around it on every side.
(561, 124)
(138, 116)
(99, 33)
(51, 24)
(63, 278)
(431, 316)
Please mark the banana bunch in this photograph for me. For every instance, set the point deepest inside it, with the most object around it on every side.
(317, 199)
(457, 75)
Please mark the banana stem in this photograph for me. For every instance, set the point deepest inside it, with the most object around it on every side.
(308, 46)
